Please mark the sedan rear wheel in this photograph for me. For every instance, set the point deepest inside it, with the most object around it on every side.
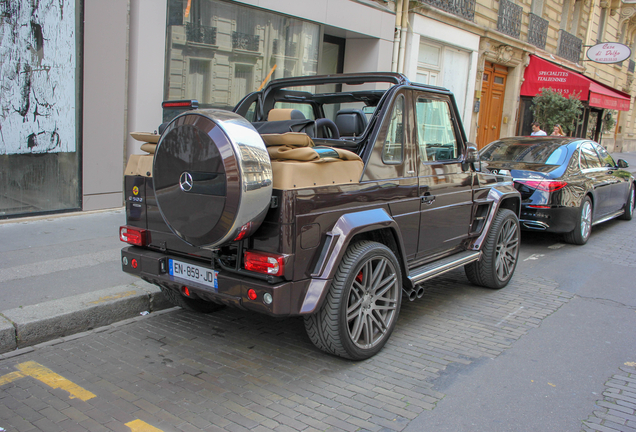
(581, 232)
(629, 206)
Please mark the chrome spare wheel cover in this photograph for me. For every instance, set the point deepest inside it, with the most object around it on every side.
(212, 177)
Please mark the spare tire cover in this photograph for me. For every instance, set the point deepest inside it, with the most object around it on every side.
(212, 177)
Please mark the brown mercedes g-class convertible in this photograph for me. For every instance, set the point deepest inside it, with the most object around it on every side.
(330, 197)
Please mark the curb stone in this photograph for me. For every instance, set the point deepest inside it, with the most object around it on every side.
(31, 325)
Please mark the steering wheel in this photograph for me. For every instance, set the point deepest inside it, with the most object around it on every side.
(329, 124)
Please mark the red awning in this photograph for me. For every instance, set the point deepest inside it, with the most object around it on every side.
(541, 73)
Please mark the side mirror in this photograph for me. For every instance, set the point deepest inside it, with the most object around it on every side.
(472, 157)
(622, 163)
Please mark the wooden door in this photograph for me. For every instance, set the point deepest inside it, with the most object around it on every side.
(492, 91)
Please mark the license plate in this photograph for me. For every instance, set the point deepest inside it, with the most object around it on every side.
(193, 273)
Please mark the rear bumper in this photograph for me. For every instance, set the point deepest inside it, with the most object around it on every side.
(232, 289)
(556, 219)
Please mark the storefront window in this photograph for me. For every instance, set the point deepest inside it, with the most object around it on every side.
(217, 52)
(39, 106)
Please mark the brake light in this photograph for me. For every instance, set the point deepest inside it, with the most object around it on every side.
(180, 104)
(132, 235)
(266, 263)
(543, 185)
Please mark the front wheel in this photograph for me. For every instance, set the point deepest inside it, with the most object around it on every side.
(583, 228)
(362, 305)
(500, 253)
(629, 206)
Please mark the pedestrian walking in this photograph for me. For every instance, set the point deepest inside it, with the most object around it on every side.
(557, 131)
(536, 130)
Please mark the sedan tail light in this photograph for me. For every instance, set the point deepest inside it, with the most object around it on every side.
(266, 263)
(543, 185)
(132, 235)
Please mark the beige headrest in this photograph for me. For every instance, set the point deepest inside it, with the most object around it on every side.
(279, 114)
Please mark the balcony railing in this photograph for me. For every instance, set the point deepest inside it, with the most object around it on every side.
(509, 21)
(630, 66)
(461, 8)
(569, 46)
(537, 31)
(200, 34)
(288, 49)
(245, 41)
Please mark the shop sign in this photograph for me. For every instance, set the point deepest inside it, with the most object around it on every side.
(609, 52)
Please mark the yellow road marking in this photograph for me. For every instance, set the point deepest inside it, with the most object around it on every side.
(630, 364)
(141, 426)
(50, 378)
(10, 377)
(113, 297)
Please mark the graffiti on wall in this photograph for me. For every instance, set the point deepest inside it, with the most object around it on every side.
(37, 76)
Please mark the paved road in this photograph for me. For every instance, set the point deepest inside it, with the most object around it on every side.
(541, 354)
(554, 349)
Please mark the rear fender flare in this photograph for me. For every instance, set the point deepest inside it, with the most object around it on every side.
(503, 196)
(334, 248)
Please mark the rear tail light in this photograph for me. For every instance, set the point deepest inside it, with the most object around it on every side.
(132, 235)
(266, 263)
(543, 185)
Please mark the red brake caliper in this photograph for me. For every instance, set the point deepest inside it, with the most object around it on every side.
(359, 277)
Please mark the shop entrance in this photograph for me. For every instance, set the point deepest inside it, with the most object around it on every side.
(493, 90)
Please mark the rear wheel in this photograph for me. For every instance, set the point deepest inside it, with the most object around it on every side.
(194, 305)
(581, 232)
(362, 305)
(500, 253)
(629, 206)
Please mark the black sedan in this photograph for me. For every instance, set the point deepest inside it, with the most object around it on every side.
(567, 185)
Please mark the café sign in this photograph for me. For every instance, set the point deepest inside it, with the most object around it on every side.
(609, 52)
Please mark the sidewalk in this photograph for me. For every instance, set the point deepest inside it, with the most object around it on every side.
(61, 275)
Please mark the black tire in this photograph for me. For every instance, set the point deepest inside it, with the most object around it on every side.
(194, 305)
(500, 253)
(629, 206)
(583, 228)
(369, 282)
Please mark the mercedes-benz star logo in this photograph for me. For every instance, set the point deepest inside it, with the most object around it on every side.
(185, 182)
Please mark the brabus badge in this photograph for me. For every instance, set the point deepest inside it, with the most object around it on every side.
(185, 182)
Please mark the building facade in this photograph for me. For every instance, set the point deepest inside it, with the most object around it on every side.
(79, 75)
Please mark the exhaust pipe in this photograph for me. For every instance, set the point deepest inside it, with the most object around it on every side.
(410, 293)
(420, 292)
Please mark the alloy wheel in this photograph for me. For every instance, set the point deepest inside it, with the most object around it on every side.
(507, 245)
(586, 220)
(372, 302)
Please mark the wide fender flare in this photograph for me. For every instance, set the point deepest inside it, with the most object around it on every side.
(501, 197)
(338, 240)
